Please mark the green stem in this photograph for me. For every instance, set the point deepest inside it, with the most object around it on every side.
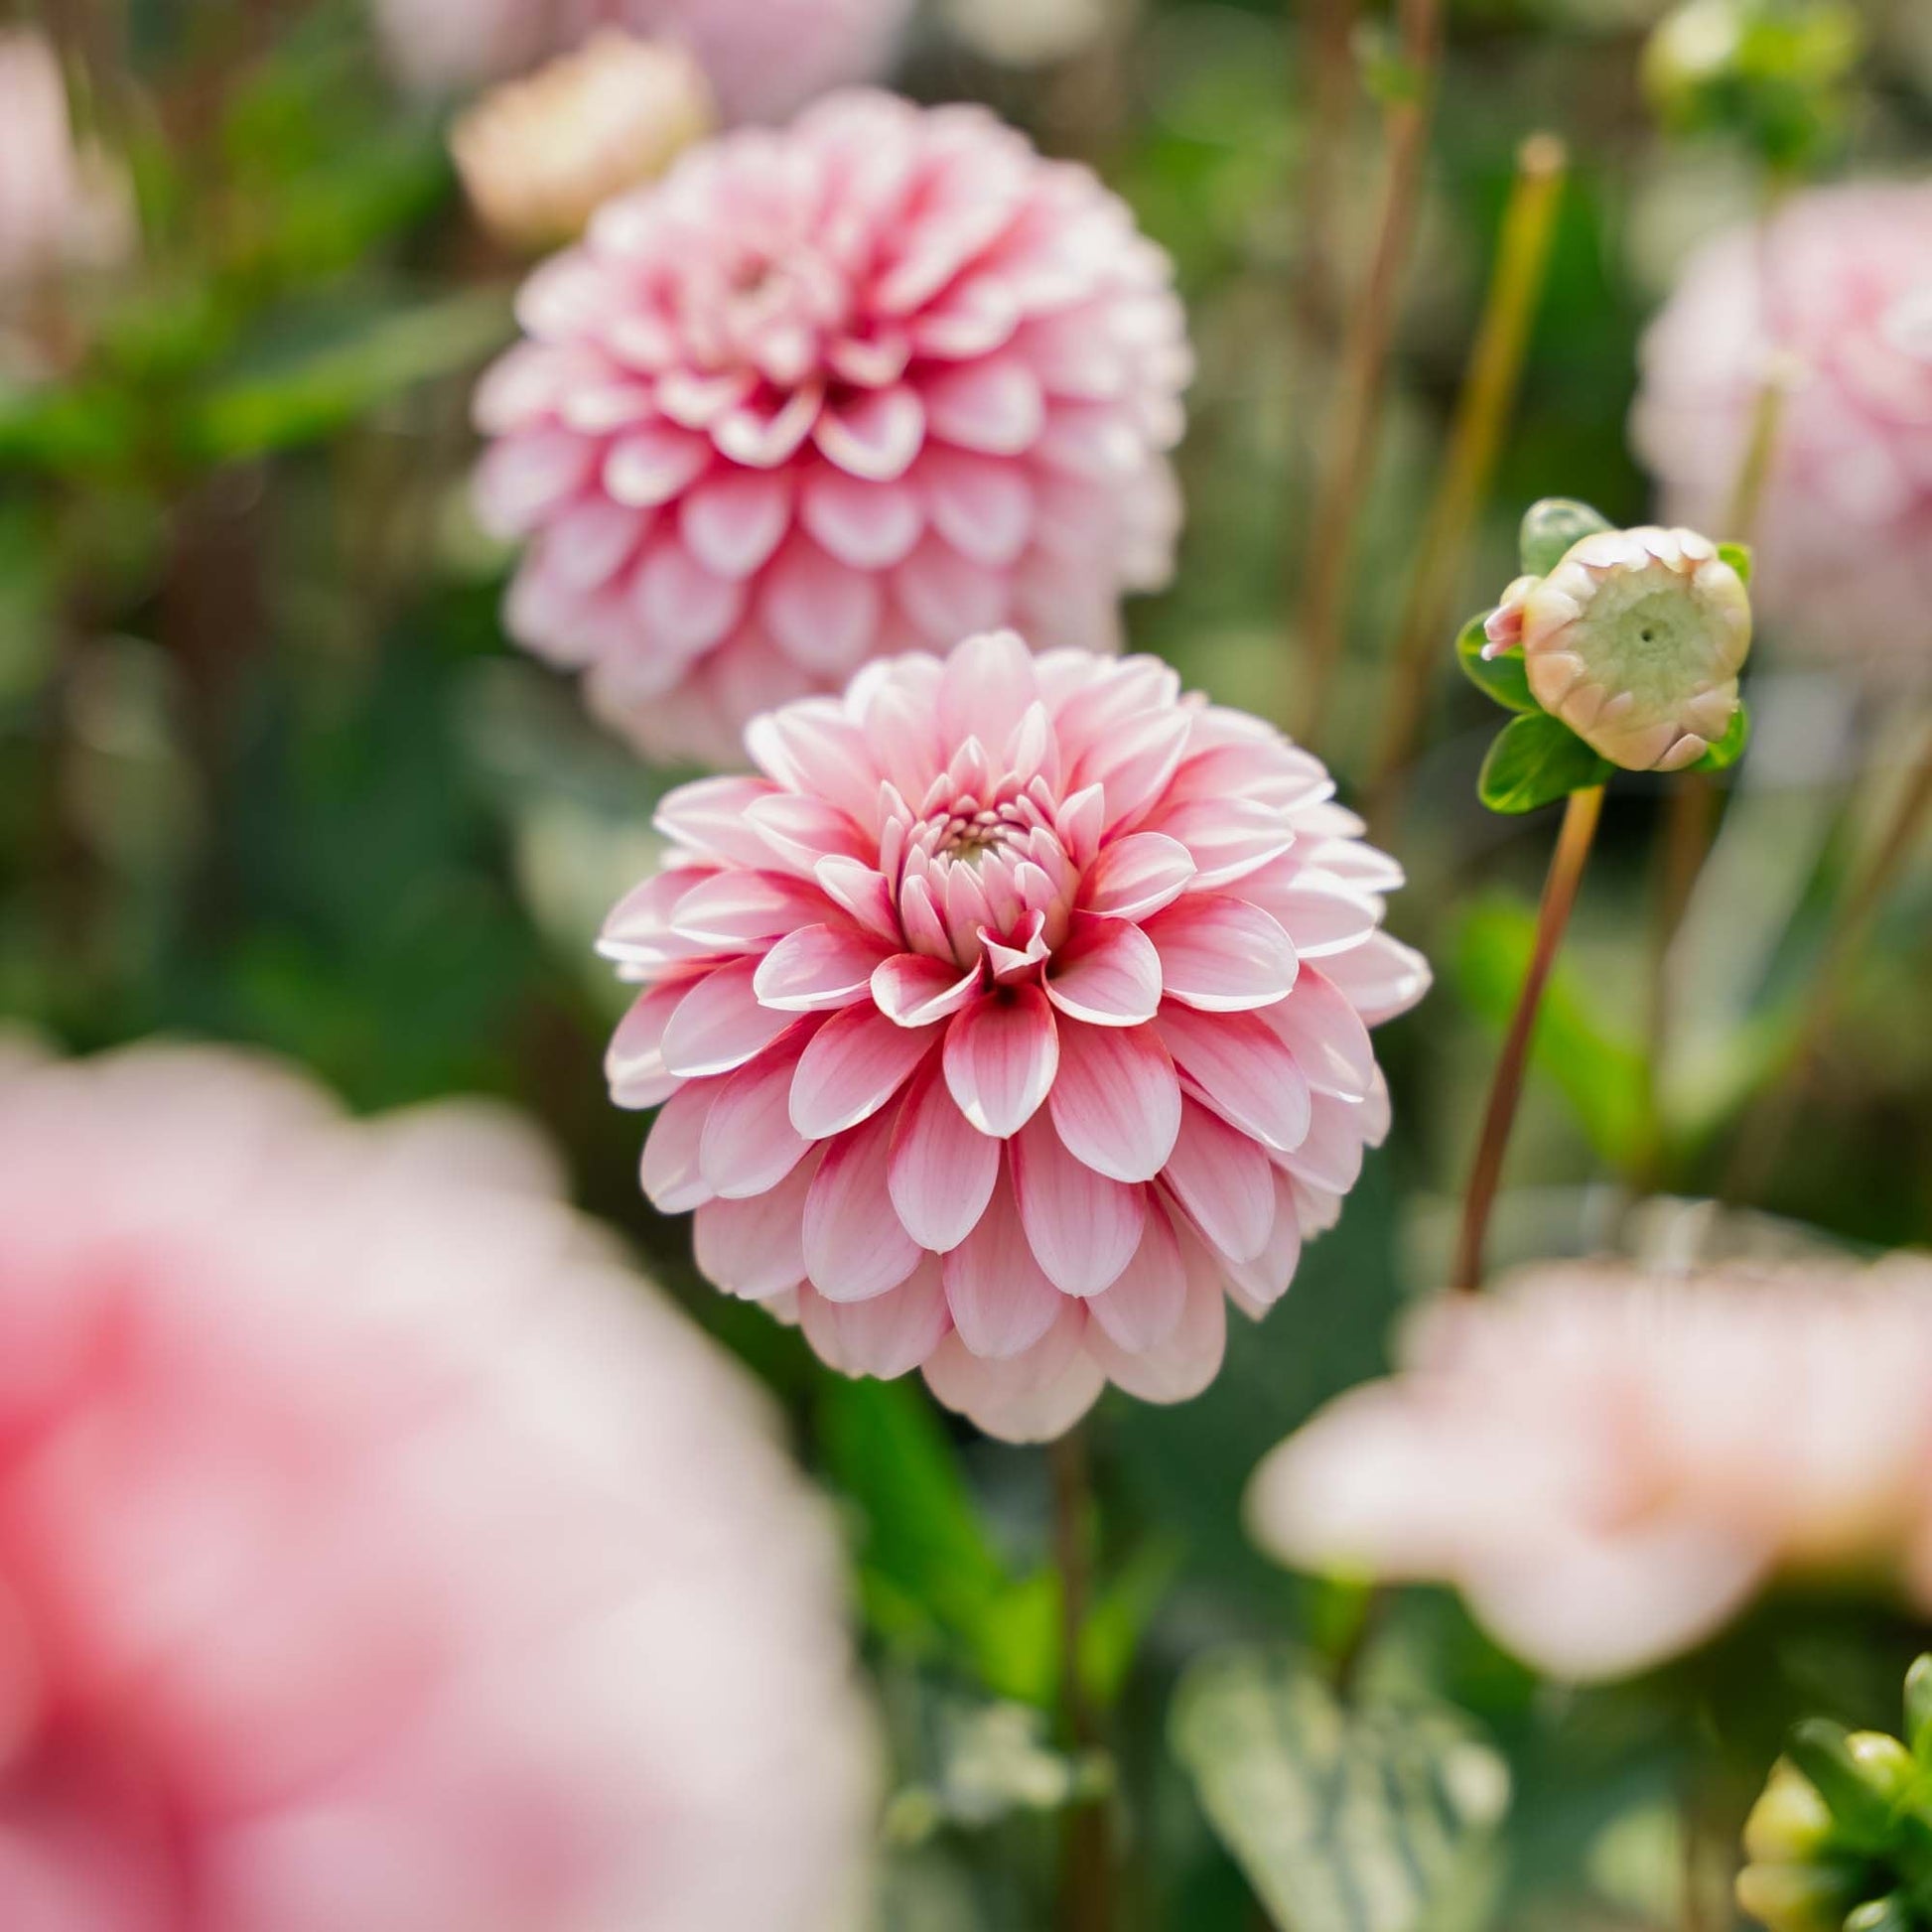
(1086, 1855)
(1357, 412)
(1566, 873)
(1482, 411)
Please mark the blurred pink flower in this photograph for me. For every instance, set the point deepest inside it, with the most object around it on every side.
(766, 58)
(869, 385)
(1609, 1464)
(1016, 1013)
(1834, 295)
(61, 204)
(376, 1554)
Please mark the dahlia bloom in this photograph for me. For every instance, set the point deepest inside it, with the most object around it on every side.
(376, 1553)
(1609, 1464)
(869, 385)
(539, 156)
(1012, 1018)
(764, 58)
(1836, 288)
(1634, 641)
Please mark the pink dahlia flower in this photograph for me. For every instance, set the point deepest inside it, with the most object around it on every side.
(1611, 1463)
(1012, 1018)
(871, 384)
(376, 1554)
(764, 58)
(1835, 292)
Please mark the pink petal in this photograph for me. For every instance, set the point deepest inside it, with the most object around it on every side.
(884, 1337)
(1000, 1055)
(681, 606)
(860, 890)
(736, 910)
(1327, 1035)
(651, 465)
(1262, 1282)
(635, 1063)
(811, 745)
(1000, 1300)
(993, 405)
(942, 1168)
(761, 438)
(1115, 1100)
(799, 832)
(755, 1247)
(670, 1175)
(1221, 954)
(946, 595)
(1224, 1181)
(1242, 1070)
(1137, 875)
(816, 968)
(1135, 761)
(856, 1061)
(733, 521)
(1031, 1397)
(986, 689)
(526, 478)
(749, 1144)
(1144, 1302)
(1325, 914)
(982, 505)
(1082, 1227)
(822, 614)
(855, 1246)
(1229, 838)
(876, 433)
(1106, 973)
(914, 989)
(1182, 1365)
(720, 1024)
(709, 816)
(1380, 978)
(869, 525)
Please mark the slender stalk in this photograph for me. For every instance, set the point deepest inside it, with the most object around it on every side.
(1328, 97)
(1856, 913)
(1482, 410)
(1086, 1857)
(1347, 458)
(1565, 873)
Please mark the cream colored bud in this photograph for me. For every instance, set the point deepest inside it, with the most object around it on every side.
(1789, 1821)
(539, 156)
(1635, 640)
(1796, 1898)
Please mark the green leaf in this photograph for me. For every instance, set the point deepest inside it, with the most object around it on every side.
(1599, 1071)
(1550, 527)
(1738, 557)
(1378, 1817)
(1730, 746)
(1534, 761)
(1502, 678)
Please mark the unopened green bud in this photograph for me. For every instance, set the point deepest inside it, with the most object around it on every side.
(1892, 1913)
(1798, 1897)
(1918, 1710)
(1790, 1822)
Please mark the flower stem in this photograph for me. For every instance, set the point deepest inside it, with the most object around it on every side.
(1327, 59)
(1565, 873)
(1851, 926)
(1086, 1857)
(1350, 446)
(1481, 412)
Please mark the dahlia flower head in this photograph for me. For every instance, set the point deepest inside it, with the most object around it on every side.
(871, 384)
(1013, 1019)
(764, 58)
(1634, 641)
(378, 1554)
(1610, 1462)
(1832, 298)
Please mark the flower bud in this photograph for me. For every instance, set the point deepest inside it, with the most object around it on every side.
(1790, 1822)
(1797, 1898)
(1635, 640)
(539, 156)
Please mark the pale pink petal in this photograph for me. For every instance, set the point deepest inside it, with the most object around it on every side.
(634, 1065)
(740, 910)
(818, 967)
(735, 519)
(1107, 973)
(914, 989)
(993, 406)
(885, 1335)
(983, 507)
(1223, 1182)
(855, 1246)
(1116, 1101)
(868, 525)
(1082, 1227)
(1142, 1306)
(1031, 1397)
(942, 1168)
(653, 464)
(1238, 1066)
(1000, 1300)
(754, 1247)
(1261, 1282)
(1380, 978)
(720, 1024)
(856, 1062)
(1000, 1056)
(1178, 1367)
(986, 689)
(1327, 1035)
(1137, 875)
(873, 434)
(822, 614)
(1229, 837)
(1220, 954)
(749, 1144)
(670, 1174)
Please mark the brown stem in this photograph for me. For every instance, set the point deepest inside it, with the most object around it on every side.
(1086, 1857)
(1565, 873)
(1328, 96)
(1481, 412)
(1852, 925)
(1357, 410)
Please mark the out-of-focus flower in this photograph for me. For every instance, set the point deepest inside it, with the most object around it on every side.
(1017, 1014)
(764, 58)
(867, 385)
(1609, 1464)
(62, 205)
(539, 156)
(376, 1553)
(1025, 33)
(1837, 283)
(1634, 641)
